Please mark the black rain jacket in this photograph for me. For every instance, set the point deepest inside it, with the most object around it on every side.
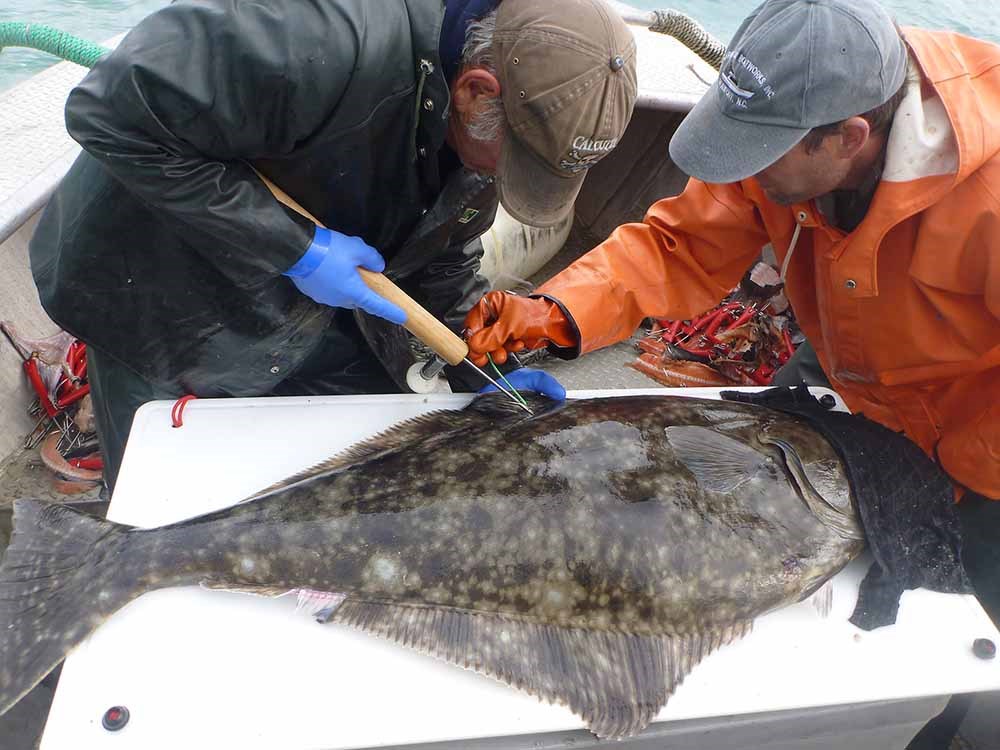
(163, 249)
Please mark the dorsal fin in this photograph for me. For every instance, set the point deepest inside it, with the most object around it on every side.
(484, 411)
(617, 682)
(433, 426)
(496, 406)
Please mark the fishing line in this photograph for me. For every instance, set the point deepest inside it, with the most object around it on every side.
(506, 382)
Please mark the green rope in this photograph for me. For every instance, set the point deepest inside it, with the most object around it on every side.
(53, 41)
(85, 53)
(691, 34)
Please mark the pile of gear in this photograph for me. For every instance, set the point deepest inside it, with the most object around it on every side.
(742, 341)
(64, 432)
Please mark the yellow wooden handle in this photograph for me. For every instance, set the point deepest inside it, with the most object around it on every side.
(419, 322)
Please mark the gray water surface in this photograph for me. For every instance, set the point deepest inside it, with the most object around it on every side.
(99, 20)
(94, 20)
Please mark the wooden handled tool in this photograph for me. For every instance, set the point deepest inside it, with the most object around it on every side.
(419, 322)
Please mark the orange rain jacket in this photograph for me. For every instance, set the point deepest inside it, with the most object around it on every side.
(904, 312)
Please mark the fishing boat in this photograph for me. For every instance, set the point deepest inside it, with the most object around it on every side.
(672, 75)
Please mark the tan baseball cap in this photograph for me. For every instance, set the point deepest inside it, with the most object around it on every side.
(568, 83)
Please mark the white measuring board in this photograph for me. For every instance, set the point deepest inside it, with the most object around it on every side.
(210, 669)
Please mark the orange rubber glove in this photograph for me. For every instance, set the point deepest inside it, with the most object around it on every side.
(502, 322)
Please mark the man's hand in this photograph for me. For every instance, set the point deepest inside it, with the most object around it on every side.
(526, 379)
(502, 322)
(328, 273)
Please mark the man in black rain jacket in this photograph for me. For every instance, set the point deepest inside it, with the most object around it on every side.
(395, 122)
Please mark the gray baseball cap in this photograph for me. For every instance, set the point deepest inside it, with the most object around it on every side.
(793, 65)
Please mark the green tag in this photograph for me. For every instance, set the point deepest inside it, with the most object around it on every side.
(468, 215)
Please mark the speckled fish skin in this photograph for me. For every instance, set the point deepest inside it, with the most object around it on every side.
(647, 516)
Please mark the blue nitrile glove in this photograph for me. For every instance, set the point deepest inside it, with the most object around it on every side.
(526, 379)
(328, 273)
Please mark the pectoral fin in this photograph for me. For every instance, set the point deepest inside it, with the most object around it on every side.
(719, 463)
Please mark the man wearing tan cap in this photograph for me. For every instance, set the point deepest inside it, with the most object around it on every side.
(397, 123)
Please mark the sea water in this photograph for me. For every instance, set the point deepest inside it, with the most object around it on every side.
(99, 20)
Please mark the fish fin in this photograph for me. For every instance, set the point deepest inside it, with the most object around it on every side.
(719, 463)
(62, 576)
(497, 406)
(822, 600)
(433, 426)
(267, 592)
(430, 428)
(319, 604)
(616, 682)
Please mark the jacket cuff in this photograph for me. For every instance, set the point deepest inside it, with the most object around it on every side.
(563, 352)
(313, 256)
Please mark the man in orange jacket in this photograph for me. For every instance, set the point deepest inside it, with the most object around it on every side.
(869, 158)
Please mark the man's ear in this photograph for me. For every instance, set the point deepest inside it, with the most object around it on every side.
(472, 85)
(854, 134)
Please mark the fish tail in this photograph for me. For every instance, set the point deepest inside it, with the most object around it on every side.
(61, 577)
